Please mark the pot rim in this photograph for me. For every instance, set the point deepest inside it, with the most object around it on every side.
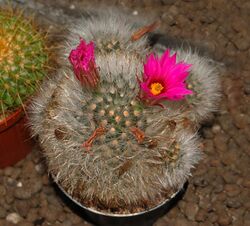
(11, 119)
(116, 214)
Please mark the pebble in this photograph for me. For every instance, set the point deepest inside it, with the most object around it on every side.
(200, 182)
(22, 193)
(240, 120)
(22, 207)
(241, 42)
(212, 217)
(50, 213)
(224, 219)
(216, 128)
(201, 215)
(8, 171)
(40, 168)
(246, 183)
(28, 189)
(191, 210)
(232, 190)
(229, 177)
(220, 142)
(32, 215)
(233, 203)
(14, 218)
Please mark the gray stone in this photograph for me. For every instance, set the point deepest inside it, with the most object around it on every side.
(233, 203)
(22, 207)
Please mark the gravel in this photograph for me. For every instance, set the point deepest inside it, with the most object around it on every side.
(218, 193)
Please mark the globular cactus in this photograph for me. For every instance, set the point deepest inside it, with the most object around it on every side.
(110, 138)
(119, 170)
(22, 60)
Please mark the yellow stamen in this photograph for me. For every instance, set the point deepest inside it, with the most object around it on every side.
(156, 88)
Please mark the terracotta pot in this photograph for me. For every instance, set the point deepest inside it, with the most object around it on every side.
(145, 218)
(15, 142)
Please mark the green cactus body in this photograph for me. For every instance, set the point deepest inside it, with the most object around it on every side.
(22, 60)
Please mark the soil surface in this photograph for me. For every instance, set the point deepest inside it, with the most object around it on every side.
(219, 191)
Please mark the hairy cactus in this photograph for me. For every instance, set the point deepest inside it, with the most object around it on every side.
(118, 172)
(111, 142)
(22, 59)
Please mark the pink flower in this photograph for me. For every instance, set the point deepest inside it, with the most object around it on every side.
(83, 61)
(164, 79)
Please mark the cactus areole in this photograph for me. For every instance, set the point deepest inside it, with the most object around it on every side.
(22, 60)
(118, 121)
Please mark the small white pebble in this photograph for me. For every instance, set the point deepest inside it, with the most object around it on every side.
(135, 12)
(14, 218)
(19, 184)
(216, 128)
(72, 6)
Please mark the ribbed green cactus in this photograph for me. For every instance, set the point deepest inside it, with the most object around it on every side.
(22, 60)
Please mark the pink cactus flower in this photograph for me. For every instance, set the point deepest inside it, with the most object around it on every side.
(164, 79)
(83, 61)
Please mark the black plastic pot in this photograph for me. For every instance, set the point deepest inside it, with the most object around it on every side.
(145, 218)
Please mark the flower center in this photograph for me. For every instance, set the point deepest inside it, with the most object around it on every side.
(156, 88)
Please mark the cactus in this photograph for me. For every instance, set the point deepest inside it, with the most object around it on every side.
(22, 60)
(110, 146)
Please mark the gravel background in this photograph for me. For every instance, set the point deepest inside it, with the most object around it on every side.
(218, 193)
